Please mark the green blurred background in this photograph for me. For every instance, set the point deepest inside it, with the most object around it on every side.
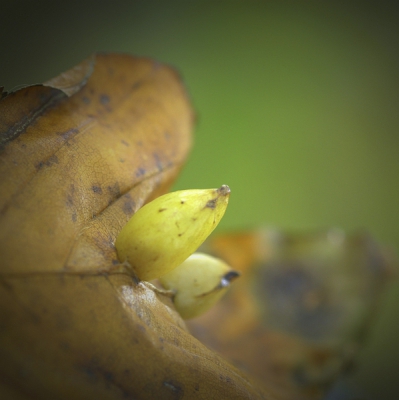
(297, 105)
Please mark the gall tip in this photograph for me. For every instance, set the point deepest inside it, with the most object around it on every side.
(224, 190)
(228, 278)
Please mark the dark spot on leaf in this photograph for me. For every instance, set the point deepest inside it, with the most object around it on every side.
(140, 172)
(97, 189)
(70, 195)
(69, 133)
(125, 143)
(114, 190)
(180, 234)
(96, 371)
(194, 219)
(104, 99)
(103, 242)
(128, 205)
(226, 379)
(90, 373)
(47, 163)
(182, 202)
(162, 209)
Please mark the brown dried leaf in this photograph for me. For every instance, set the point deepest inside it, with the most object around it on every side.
(79, 155)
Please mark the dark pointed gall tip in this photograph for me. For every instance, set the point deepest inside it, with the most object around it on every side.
(228, 278)
(225, 282)
(224, 190)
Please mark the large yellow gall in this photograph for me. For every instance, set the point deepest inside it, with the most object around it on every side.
(163, 233)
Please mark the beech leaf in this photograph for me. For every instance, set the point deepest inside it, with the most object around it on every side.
(79, 155)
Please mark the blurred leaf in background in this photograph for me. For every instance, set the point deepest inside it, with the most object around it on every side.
(297, 105)
(302, 308)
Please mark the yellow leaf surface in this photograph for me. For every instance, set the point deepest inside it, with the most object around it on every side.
(79, 155)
